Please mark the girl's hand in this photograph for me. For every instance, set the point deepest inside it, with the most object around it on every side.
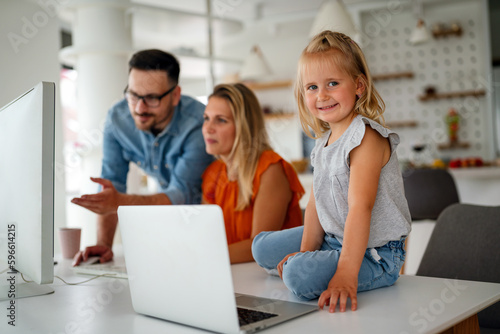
(341, 287)
(280, 265)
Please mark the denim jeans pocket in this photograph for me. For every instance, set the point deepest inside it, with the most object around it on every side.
(393, 255)
(381, 267)
(398, 251)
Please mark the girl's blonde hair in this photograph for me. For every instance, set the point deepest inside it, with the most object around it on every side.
(251, 137)
(343, 52)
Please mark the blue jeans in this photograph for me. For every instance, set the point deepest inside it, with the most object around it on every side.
(307, 274)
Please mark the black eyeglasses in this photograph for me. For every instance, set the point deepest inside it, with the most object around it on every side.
(150, 100)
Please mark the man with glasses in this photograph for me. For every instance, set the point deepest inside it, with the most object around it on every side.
(159, 130)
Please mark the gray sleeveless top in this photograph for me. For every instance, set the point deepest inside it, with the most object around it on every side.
(390, 218)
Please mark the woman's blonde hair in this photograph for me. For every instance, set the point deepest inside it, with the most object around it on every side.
(251, 137)
(343, 52)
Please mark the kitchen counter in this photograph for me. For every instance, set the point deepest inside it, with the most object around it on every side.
(478, 185)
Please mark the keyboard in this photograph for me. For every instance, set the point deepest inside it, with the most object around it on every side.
(114, 270)
(246, 316)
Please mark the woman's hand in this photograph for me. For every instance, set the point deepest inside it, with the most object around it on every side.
(341, 287)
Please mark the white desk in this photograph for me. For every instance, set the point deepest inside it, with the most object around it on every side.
(412, 305)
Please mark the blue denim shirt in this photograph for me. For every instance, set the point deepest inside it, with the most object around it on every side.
(176, 157)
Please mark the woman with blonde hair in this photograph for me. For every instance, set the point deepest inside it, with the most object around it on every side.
(255, 187)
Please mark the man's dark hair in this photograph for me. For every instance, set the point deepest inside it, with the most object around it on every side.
(154, 59)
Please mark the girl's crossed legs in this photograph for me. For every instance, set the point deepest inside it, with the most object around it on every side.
(307, 274)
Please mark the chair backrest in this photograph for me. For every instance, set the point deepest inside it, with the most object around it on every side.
(465, 244)
(429, 192)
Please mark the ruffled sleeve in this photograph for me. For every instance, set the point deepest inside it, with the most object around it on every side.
(359, 133)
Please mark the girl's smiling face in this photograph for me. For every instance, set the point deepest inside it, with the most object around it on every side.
(329, 91)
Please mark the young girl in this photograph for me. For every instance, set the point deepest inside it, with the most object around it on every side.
(256, 189)
(357, 217)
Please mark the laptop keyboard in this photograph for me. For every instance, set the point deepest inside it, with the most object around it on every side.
(246, 316)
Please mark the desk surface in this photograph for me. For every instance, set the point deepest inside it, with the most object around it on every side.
(413, 305)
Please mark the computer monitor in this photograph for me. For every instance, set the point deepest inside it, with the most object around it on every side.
(27, 192)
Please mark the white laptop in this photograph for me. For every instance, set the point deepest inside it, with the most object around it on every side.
(177, 261)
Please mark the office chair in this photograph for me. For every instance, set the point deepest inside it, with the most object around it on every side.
(428, 192)
(465, 244)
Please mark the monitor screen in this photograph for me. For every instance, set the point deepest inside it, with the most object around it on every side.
(27, 191)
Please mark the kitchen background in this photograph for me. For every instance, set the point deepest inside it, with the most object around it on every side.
(50, 40)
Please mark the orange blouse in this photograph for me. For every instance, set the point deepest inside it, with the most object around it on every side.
(217, 189)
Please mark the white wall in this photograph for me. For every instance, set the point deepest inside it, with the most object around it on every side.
(29, 54)
(281, 44)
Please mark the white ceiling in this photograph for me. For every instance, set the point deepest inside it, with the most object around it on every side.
(182, 26)
(173, 24)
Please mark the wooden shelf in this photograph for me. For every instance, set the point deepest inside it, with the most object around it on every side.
(401, 124)
(389, 76)
(453, 146)
(451, 95)
(279, 115)
(269, 85)
(447, 32)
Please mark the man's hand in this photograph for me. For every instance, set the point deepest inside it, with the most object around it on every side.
(341, 287)
(105, 202)
(104, 252)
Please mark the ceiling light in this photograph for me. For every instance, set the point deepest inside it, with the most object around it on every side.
(255, 66)
(419, 34)
(333, 15)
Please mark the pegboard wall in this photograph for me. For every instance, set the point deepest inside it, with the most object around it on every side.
(450, 64)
